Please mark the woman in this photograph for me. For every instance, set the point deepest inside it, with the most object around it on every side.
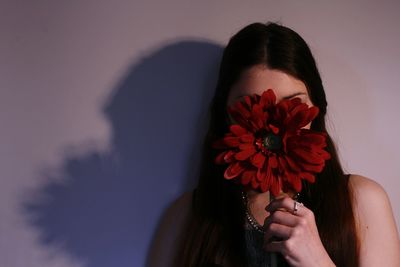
(346, 220)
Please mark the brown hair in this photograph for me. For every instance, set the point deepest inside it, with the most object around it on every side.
(215, 230)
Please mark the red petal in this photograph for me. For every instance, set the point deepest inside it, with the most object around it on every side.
(283, 163)
(292, 164)
(268, 98)
(272, 162)
(325, 155)
(294, 181)
(247, 100)
(233, 170)
(231, 141)
(313, 113)
(261, 174)
(265, 185)
(247, 176)
(237, 130)
(246, 147)
(312, 168)
(308, 177)
(267, 180)
(247, 138)
(307, 156)
(258, 116)
(254, 183)
(220, 158)
(276, 186)
(293, 103)
(245, 154)
(229, 156)
(274, 129)
(307, 138)
(258, 160)
(242, 109)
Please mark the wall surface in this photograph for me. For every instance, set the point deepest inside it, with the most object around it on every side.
(103, 106)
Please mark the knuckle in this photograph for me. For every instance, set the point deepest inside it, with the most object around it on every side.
(273, 216)
(309, 214)
(286, 201)
(270, 227)
(288, 246)
(296, 232)
(286, 257)
(302, 222)
(277, 215)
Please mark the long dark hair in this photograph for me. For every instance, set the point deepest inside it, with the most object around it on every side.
(215, 231)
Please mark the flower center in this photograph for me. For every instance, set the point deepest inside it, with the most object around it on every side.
(272, 141)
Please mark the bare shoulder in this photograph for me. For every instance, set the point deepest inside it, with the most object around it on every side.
(369, 198)
(170, 232)
(362, 183)
(367, 191)
(376, 227)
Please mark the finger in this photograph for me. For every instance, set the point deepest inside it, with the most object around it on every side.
(275, 246)
(282, 247)
(281, 217)
(277, 231)
(287, 204)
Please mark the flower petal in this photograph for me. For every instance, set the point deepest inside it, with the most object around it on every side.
(268, 98)
(245, 154)
(247, 138)
(308, 177)
(292, 164)
(220, 158)
(247, 176)
(276, 186)
(301, 156)
(272, 162)
(258, 160)
(260, 175)
(231, 141)
(233, 170)
(237, 130)
(294, 181)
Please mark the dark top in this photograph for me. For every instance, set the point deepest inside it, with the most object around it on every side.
(256, 255)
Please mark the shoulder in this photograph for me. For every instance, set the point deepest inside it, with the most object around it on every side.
(376, 227)
(169, 232)
(368, 197)
(366, 190)
(181, 205)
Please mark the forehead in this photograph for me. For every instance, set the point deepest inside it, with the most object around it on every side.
(257, 79)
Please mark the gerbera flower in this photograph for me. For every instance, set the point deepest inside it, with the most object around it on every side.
(267, 148)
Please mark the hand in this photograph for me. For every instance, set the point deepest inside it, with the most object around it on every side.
(294, 235)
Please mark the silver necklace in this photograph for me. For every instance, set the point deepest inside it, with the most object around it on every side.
(250, 219)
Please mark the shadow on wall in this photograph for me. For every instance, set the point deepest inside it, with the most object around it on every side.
(107, 205)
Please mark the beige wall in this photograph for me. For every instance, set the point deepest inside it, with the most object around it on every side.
(61, 60)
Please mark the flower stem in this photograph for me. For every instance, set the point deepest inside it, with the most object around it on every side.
(274, 260)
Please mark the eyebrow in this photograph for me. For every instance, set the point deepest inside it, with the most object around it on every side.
(293, 95)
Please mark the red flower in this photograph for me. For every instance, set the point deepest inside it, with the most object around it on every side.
(267, 148)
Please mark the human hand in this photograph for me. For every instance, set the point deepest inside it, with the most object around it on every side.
(294, 234)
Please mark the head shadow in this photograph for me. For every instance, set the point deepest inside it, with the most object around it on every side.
(103, 207)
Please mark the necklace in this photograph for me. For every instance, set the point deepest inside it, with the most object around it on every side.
(250, 219)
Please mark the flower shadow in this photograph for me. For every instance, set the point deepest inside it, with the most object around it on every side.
(103, 207)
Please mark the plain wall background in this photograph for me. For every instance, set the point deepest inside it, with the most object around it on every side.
(103, 106)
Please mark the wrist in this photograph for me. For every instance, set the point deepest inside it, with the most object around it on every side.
(324, 261)
(328, 262)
